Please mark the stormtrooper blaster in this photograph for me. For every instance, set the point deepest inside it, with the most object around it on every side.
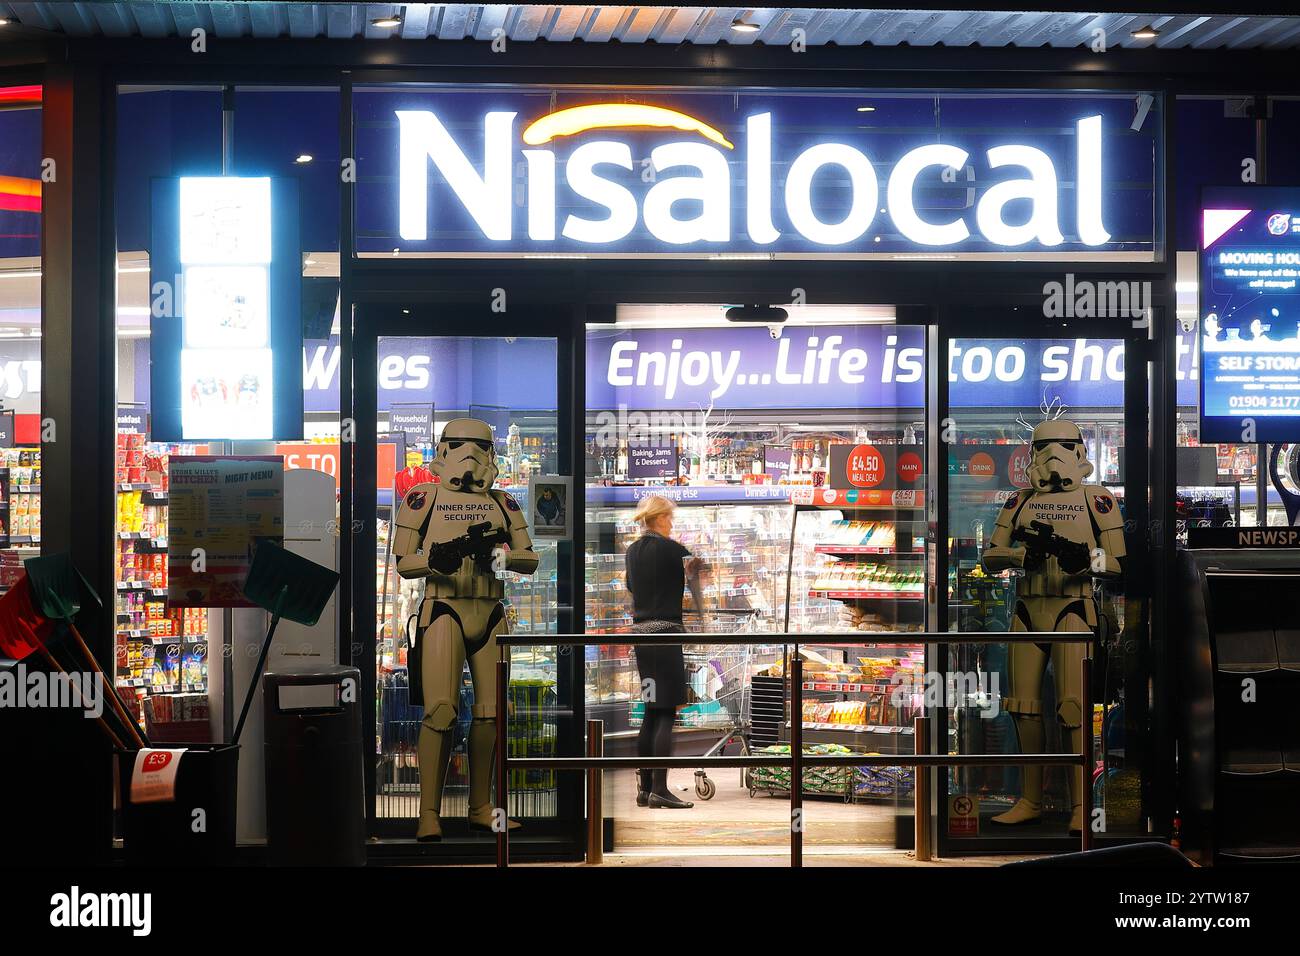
(1040, 541)
(477, 543)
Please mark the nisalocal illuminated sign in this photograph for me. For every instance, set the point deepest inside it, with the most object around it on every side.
(520, 173)
(701, 173)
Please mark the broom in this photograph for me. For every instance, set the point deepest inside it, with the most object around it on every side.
(288, 586)
(24, 631)
(56, 587)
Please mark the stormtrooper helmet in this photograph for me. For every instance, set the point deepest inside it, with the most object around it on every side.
(467, 457)
(1058, 460)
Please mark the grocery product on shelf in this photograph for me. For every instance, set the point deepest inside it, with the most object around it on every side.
(744, 546)
(846, 782)
(851, 577)
(20, 497)
(830, 781)
(850, 533)
(856, 568)
(161, 651)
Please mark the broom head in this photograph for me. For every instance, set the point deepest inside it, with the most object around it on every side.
(288, 585)
(57, 586)
(23, 628)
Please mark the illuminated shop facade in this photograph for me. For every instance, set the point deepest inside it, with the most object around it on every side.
(959, 242)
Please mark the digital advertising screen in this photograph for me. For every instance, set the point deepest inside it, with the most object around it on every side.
(1250, 314)
(226, 326)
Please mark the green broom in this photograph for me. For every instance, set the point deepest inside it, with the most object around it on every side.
(287, 585)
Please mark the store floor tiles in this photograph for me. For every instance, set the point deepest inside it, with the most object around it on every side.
(734, 817)
(819, 856)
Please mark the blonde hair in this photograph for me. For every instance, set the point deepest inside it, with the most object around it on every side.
(650, 507)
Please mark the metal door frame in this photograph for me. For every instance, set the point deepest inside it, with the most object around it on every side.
(377, 311)
(1146, 349)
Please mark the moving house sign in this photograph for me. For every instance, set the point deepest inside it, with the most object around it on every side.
(526, 171)
(1250, 314)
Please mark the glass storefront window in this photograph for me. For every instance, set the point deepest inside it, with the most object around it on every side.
(794, 457)
(1008, 697)
(183, 671)
(463, 377)
(20, 329)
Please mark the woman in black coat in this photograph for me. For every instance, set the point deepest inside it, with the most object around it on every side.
(656, 577)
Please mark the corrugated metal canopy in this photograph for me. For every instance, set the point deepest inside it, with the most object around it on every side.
(654, 24)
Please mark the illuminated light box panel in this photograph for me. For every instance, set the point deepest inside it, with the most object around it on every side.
(226, 333)
(1250, 314)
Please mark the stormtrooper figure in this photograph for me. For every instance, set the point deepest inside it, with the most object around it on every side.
(1062, 533)
(456, 533)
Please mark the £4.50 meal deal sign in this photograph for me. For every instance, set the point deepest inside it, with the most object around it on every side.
(879, 467)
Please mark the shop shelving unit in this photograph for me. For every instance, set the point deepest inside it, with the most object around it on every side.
(20, 499)
(886, 604)
(4, 508)
(1209, 506)
(159, 650)
(885, 723)
(743, 541)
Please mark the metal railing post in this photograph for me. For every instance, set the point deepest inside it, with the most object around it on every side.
(1087, 759)
(595, 797)
(921, 789)
(796, 760)
(503, 776)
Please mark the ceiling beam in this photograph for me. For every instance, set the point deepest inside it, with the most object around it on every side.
(757, 66)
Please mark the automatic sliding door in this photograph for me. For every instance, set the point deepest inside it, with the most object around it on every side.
(1009, 700)
(510, 385)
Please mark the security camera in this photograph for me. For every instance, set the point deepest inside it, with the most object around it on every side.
(774, 331)
(1187, 322)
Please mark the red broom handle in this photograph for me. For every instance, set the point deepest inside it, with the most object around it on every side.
(99, 720)
(118, 706)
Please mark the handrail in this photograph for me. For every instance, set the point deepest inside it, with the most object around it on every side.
(796, 760)
(828, 639)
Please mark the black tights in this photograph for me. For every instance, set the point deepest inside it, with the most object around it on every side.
(655, 740)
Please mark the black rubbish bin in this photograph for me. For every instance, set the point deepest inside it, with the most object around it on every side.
(197, 827)
(314, 810)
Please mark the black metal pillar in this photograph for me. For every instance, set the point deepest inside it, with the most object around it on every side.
(1160, 528)
(1260, 109)
(78, 355)
(939, 433)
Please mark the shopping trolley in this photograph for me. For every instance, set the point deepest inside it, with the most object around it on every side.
(718, 676)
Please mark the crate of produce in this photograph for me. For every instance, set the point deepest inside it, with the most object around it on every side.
(829, 781)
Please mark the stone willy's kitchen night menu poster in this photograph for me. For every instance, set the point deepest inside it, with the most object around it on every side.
(220, 508)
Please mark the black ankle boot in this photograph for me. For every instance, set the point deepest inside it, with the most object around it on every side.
(642, 788)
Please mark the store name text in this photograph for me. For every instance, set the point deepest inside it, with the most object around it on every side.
(486, 190)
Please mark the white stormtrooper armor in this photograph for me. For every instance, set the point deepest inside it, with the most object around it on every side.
(456, 533)
(1055, 594)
